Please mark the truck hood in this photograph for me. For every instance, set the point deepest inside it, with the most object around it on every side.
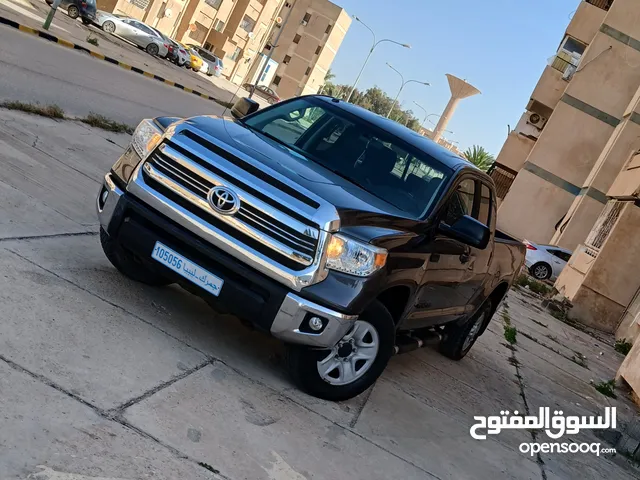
(356, 206)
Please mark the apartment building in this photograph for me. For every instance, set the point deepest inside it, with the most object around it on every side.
(307, 45)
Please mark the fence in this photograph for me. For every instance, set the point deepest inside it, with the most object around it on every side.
(603, 226)
(603, 4)
(503, 177)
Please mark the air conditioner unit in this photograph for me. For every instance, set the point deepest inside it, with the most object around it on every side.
(304, 23)
(536, 120)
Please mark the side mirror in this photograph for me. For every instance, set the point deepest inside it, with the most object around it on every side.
(243, 107)
(469, 231)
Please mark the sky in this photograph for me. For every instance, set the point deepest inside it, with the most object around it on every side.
(499, 46)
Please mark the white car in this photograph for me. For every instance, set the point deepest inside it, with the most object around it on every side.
(205, 67)
(545, 261)
(134, 31)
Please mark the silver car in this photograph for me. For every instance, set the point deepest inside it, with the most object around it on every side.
(134, 31)
(546, 261)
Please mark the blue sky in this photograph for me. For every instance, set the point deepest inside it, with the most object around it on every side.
(499, 46)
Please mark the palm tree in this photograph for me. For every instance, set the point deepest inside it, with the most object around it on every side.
(479, 157)
(329, 76)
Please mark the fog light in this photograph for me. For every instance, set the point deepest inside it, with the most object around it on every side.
(315, 323)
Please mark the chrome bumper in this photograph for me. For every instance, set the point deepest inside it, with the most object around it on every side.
(105, 212)
(294, 310)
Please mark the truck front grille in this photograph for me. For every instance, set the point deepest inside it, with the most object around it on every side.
(261, 222)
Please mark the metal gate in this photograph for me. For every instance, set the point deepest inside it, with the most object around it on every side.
(503, 177)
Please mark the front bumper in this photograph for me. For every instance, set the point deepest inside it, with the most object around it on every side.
(247, 293)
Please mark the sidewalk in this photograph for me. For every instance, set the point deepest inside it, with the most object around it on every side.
(32, 13)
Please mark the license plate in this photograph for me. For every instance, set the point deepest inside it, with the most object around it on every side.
(185, 267)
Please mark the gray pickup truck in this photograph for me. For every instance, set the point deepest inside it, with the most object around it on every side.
(342, 233)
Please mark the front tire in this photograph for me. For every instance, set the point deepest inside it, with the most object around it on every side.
(350, 367)
(541, 271)
(73, 11)
(459, 339)
(128, 264)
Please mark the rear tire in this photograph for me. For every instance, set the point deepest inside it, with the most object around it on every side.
(152, 49)
(459, 339)
(128, 264)
(304, 363)
(73, 11)
(540, 271)
(109, 26)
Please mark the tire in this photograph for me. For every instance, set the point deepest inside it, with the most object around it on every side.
(271, 101)
(128, 264)
(304, 362)
(152, 49)
(109, 26)
(540, 271)
(459, 339)
(86, 21)
(195, 70)
(73, 11)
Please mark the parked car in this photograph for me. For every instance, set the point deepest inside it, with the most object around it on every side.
(264, 92)
(195, 60)
(545, 262)
(134, 31)
(338, 231)
(172, 46)
(204, 68)
(214, 64)
(85, 9)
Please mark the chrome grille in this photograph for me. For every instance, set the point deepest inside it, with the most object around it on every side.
(169, 167)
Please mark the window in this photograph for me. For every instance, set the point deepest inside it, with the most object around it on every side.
(296, 39)
(286, 59)
(328, 30)
(308, 71)
(377, 161)
(236, 53)
(208, 46)
(219, 26)
(247, 24)
(318, 50)
(214, 3)
(564, 256)
(484, 210)
(307, 17)
(276, 80)
(571, 45)
(461, 201)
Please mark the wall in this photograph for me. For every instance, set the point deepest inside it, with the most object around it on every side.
(630, 368)
(550, 87)
(585, 22)
(515, 151)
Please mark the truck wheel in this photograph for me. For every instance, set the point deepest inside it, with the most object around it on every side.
(350, 367)
(459, 339)
(541, 271)
(128, 264)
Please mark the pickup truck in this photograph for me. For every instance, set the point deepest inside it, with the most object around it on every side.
(342, 233)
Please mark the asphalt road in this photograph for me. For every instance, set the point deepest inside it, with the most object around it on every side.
(32, 69)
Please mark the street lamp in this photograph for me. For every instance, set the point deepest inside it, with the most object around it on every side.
(395, 100)
(425, 113)
(437, 115)
(373, 47)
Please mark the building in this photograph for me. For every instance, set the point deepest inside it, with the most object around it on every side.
(449, 145)
(240, 32)
(307, 45)
(570, 170)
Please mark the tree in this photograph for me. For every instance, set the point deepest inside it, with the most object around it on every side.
(329, 76)
(479, 157)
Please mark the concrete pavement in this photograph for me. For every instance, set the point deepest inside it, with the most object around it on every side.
(105, 378)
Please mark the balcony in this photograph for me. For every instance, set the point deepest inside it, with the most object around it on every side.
(551, 85)
(586, 21)
(603, 4)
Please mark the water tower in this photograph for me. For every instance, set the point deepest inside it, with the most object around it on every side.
(459, 90)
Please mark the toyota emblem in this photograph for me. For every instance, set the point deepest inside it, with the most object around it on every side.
(223, 200)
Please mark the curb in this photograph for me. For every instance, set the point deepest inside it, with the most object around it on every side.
(100, 56)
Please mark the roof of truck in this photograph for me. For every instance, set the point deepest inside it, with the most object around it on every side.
(409, 136)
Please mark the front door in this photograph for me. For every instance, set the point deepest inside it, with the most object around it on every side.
(445, 291)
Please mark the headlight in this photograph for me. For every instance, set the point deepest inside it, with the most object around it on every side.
(353, 257)
(145, 138)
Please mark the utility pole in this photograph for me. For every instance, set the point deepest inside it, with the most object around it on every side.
(275, 41)
(52, 12)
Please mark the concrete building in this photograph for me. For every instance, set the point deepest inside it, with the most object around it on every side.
(241, 31)
(307, 46)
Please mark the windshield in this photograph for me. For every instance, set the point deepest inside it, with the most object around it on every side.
(377, 161)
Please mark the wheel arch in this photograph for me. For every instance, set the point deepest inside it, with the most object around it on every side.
(495, 297)
(395, 299)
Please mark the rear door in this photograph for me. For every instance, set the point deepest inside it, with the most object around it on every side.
(559, 259)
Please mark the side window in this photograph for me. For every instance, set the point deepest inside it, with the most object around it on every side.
(560, 254)
(461, 202)
(484, 212)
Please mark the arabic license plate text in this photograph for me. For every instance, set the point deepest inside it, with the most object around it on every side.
(185, 267)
